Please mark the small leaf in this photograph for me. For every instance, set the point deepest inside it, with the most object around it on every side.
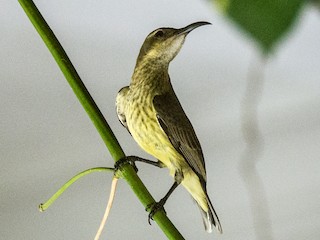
(266, 21)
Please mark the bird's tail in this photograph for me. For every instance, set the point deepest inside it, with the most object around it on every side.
(210, 217)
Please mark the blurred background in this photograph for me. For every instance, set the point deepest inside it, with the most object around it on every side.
(250, 84)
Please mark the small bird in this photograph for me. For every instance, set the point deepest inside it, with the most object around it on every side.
(150, 110)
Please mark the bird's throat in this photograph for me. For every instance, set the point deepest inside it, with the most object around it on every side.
(152, 75)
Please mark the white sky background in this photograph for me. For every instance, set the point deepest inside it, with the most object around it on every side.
(46, 137)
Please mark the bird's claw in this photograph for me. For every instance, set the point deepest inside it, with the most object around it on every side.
(123, 161)
(153, 208)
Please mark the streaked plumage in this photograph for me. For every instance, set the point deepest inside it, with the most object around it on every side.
(152, 113)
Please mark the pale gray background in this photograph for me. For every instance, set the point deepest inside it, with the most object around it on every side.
(46, 137)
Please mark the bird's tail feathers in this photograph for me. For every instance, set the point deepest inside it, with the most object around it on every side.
(210, 218)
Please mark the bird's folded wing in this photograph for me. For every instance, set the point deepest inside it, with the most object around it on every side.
(176, 125)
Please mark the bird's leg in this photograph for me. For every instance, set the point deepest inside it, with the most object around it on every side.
(154, 207)
(132, 159)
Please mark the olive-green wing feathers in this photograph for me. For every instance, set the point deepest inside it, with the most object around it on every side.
(180, 132)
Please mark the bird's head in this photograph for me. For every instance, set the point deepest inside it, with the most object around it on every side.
(163, 44)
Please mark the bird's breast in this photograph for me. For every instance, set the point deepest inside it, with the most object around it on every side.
(145, 129)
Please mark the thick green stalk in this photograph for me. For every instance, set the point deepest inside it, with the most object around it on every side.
(63, 61)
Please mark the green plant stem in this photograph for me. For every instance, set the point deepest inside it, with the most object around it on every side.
(44, 206)
(63, 61)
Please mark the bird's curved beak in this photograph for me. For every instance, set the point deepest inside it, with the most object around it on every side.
(189, 28)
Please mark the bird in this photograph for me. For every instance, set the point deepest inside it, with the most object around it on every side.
(150, 110)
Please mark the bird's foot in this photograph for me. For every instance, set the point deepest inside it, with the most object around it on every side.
(125, 160)
(153, 208)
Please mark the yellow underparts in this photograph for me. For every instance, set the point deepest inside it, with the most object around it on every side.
(144, 128)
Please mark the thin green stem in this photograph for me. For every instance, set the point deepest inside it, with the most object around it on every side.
(63, 61)
(44, 206)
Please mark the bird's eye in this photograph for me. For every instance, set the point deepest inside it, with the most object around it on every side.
(159, 34)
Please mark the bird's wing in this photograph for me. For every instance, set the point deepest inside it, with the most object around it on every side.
(120, 105)
(180, 132)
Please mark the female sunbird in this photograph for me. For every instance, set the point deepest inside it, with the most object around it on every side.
(152, 113)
